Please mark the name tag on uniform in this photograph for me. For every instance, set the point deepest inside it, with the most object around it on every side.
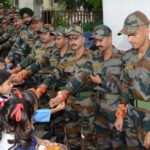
(129, 67)
(53, 59)
(29, 42)
(97, 65)
(38, 52)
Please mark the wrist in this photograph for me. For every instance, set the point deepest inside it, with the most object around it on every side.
(62, 95)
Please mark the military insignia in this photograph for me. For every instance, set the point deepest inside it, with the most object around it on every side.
(29, 42)
(129, 67)
(97, 65)
(38, 52)
(23, 33)
(53, 59)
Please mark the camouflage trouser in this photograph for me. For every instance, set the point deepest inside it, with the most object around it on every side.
(79, 117)
(137, 124)
(58, 124)
(107, 136)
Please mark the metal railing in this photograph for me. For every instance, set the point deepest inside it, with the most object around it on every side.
(70, 17)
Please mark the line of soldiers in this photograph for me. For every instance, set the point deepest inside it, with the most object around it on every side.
(106, 91)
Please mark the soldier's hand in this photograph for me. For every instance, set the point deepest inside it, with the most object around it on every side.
(59, 107)
(147, 140)
(95, 78)
(54, 102)
(119, 124)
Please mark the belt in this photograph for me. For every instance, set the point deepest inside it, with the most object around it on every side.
(142, 104)
(104, 96)
(61, 88)
(84, 94)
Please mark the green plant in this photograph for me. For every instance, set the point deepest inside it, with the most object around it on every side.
(58, 20)
(89, 26)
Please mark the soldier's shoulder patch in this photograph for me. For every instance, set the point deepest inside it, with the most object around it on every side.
(129, 67)
(97, 65)
(53, 59)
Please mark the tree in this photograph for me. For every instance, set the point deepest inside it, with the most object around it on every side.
(97, 4)
(87, 4)
(6, 3)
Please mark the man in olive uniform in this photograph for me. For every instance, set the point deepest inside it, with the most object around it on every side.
(136, 84)
(79, 111)
(17, 27)
(24, 42)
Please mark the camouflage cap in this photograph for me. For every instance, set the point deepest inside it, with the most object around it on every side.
(101, 31)
(36, 18)
(1, 5)
(60, 30)
(133, 21)
(75, 30)
(16, 16)
(46, 28)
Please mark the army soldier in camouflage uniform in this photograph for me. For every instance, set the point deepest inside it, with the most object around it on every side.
(56, 127)
(36, 24)
(18, 25)
(136, 84)
(103, 68)
(46, 58)
(1, 12)
(79, 111)
(24, 42)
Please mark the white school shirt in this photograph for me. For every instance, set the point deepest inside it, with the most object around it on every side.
(4, 145)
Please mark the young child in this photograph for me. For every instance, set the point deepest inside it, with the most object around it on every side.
(40, 115)
(15, 125)
(5, 87)
(3, 65)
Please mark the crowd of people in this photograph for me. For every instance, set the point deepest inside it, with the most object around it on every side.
(97, 97)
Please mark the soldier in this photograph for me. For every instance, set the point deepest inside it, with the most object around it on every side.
(1, 12)
(56, 127)
(36, 24)
(79, 111)
(136, 84)
(46, 57)
(103, 68)
(23, 44)
(17, 25)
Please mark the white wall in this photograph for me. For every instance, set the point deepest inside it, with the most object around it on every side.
(35, 5)
(114, 14)
(26, 3)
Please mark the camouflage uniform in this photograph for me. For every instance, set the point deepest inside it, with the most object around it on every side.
(46, 59)
(79, 110)
(135, 87)
(37, 48)
(22, 46)
(1, 17)
(14, 35)
(107, 92)
(57, 124)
